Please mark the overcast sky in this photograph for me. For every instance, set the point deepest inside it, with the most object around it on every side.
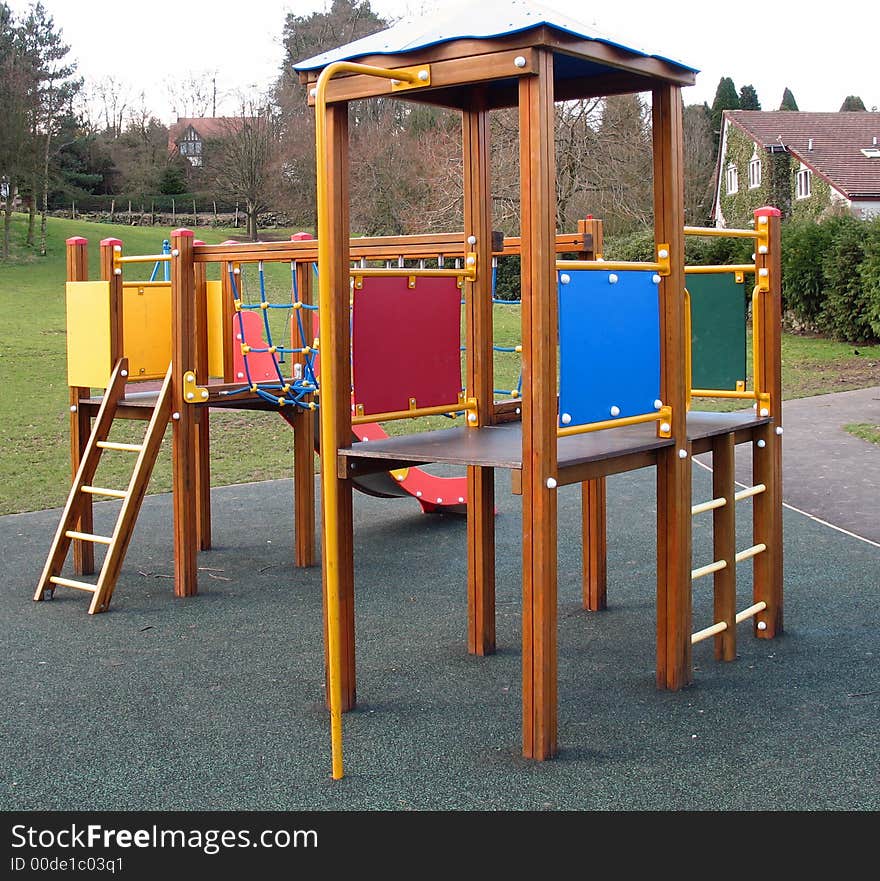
(770, 45)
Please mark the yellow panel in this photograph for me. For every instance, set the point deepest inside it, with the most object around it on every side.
(146, 329)
(88, 334)
(215, 328)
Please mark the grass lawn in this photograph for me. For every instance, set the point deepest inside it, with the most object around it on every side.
(865, 430)
(34, 468)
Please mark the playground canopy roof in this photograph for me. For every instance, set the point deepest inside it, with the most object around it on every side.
(585, 62)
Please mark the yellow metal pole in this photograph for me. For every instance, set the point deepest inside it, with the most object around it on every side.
(328, 423)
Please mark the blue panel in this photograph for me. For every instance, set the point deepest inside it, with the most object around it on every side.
(609, 342)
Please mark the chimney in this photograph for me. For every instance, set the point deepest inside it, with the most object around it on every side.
(810, 145)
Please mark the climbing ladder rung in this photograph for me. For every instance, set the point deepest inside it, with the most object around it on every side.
(708, 506)
(708, 569)
(115, 445)
(69, 582)
(706, 632)
(753, 551)
(750, 612)
(103, 491)
(89, 536)
(749, 491)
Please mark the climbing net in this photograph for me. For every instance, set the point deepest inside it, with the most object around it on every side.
(297, 389)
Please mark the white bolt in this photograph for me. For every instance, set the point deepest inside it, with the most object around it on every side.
(73, 408)
(472, 417)
(395, 82)
(472, 240)
(566, 418)
(313, 93)
(175, 252)
(117, 248)
(236, 270)
(753, 258)
(763, 249)
(658, 404)
(190, 396)
(117, 271)
(551, 483)
(239, 375)
(762, 625)
(565, 278)
(655, 278)
(665, 427)
(762, 444)
(615, 410)
(764, 272)
(779, 429)
(612, 278)
(682, 454)
(439, 501)
(470, 261)
(663, 253)
(399, 476)
(518, 411)
(175, 415)
(765, 411)
(418, 493)
(123, 373)
(461, 500)
(423, 76)
(519, 61)
(204, 393)
(762, 220)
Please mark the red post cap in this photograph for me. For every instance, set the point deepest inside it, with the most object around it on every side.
(182, 233)
(302, 237)
(768, 211)
(229, 242)
(198, 242)
(76, 240)
(111, 242)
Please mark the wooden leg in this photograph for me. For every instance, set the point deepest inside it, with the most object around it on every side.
(185, 501)
(304, 487)
(80, 429)
(594, 549)
(674, 669)
(203, 477)
(724, 544)
(481, 561)
(767, 529)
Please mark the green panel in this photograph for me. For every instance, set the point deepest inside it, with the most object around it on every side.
(718, 330)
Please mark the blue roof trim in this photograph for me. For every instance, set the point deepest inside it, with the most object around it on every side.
(472, 22)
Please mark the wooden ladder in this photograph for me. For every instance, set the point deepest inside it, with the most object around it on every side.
(82, 490)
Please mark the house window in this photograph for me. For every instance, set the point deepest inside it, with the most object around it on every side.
(804, 177)
(754, 172)
(732, 179)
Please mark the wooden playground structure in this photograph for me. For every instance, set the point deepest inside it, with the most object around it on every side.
(622, 398)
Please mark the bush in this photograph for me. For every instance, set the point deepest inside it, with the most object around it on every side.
(845, 314)
(803, 281)
(870, 275)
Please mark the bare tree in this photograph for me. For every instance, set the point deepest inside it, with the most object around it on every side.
(242, 159)
(113, 96)
(193, 94)
(699, 169)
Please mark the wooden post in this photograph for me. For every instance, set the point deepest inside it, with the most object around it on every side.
(203, 436)
(80, 421)
(337, 528)
(539, 471)
(304, 442)
(479, 382)
(724, 543)
(767, 459)
(595, 555)
(183, 449)
(674, 463)
(227, 317)
(108, 273)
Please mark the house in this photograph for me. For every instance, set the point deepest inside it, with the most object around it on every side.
(803, 163)
(187, 136)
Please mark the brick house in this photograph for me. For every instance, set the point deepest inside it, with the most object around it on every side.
(803, 163)
(187, 137)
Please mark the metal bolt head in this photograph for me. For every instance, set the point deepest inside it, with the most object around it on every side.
(519, 61)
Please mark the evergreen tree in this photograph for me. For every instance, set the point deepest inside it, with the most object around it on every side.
(748, 98)
(852, 102)
(788, 102)
(726, 98)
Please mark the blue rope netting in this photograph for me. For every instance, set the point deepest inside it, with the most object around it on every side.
(282, 391)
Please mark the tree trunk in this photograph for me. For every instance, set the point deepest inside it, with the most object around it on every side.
(44, 188)
(252, 221)
(7, 222)
(32, 217)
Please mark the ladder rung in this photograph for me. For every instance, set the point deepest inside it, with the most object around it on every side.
(706, 632)
(69, 582)
(749, 491)
(88, 536)
(708, 506)
(708, 569)
(753, 551)
(126, 448)
(750, 612)
(103, 491)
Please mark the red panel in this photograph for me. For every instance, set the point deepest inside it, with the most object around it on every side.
(406, 343)
(260, 364)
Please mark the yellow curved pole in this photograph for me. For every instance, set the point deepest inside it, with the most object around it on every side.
(329, 433)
